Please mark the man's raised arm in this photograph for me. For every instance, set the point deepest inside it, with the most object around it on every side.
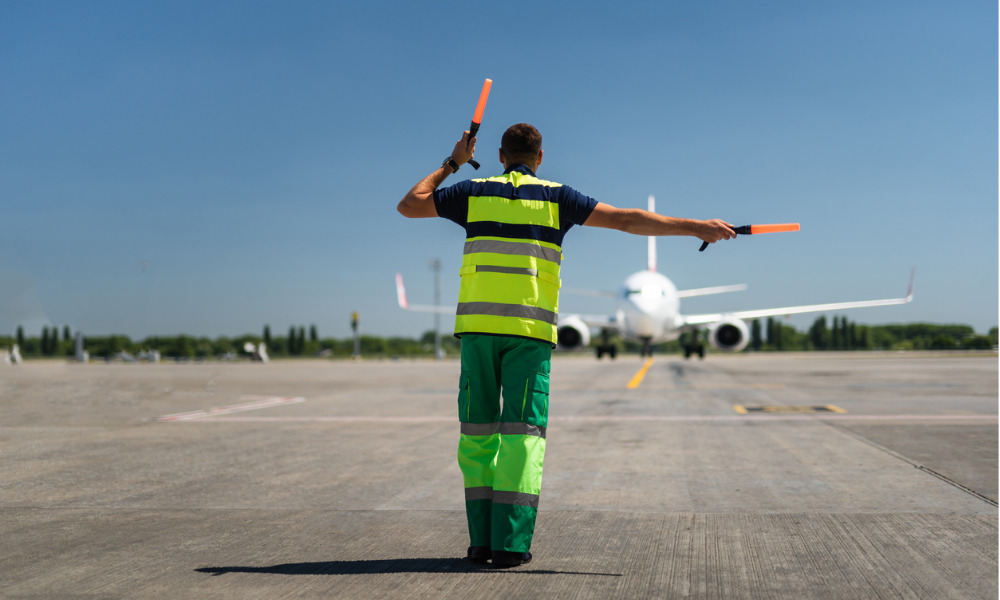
(643, 222)
(419, 201)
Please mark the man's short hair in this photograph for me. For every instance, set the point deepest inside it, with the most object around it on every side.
(521, 143)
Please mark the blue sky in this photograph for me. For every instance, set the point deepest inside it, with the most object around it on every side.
(209, 167)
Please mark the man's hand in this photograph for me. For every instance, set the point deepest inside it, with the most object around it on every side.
(714, 230)
(465, 149)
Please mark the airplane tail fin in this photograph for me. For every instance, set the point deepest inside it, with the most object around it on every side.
(401, 292)
(651, 251)
(405, 305)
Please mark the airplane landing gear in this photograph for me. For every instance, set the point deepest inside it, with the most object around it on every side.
(606, 347)
(647, 348)
(692, 345)
(698, 349)
(611, 351)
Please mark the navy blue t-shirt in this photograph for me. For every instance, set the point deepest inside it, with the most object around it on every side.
(452, 202)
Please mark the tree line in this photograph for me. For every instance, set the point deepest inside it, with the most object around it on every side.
(769, 336)
(299, 342)
(843, 334)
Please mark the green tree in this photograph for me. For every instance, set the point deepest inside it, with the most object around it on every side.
(449, 343)
(20, 336)
(839, 333)
(978, 342)
(818, 334)
(791, 339)
(223, 346)
(755, 338)
(185, 347)
(267, 336)
(864, 338)
(943, 342)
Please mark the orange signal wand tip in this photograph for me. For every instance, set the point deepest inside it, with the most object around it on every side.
(478, 117)
(774, 228)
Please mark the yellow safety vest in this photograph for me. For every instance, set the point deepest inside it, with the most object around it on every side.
(510, 277)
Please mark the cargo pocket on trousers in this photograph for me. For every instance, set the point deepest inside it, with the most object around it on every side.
(536, 400)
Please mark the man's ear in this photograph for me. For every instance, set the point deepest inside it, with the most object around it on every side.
(503, 161)
(540, 153)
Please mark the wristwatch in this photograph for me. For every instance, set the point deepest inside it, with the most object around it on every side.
(450, 162)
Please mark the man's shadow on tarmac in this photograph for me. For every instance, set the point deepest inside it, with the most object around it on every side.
(378, 567)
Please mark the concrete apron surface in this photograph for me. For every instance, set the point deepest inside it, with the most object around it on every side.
(306, 479)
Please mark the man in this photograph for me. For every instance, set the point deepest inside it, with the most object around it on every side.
(507, 315)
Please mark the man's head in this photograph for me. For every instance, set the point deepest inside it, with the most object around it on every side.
(521, 144)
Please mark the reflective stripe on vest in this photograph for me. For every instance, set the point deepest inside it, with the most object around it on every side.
(510, 268)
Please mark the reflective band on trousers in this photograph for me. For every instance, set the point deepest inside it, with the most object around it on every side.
(497, 309)
(503, 429)
(516, 498)
(479, 493)
(480, 428)
(514, 248)
(522, 429)
(501, 497)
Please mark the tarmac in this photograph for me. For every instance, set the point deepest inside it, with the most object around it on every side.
(828, 476)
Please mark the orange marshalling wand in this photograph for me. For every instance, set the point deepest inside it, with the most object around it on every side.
(752, 229)
(773, 228)
(477, 118)
(483, 95)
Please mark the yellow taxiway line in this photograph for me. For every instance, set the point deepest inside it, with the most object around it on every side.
(637, 378)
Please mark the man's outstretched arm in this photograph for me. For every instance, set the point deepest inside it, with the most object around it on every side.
(419, 201)
(643, 222)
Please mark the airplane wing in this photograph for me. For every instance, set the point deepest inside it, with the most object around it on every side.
(720, 289)
(401, 299)
(792, 310)
(583, 292)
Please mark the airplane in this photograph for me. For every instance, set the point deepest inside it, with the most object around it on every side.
(648, 312)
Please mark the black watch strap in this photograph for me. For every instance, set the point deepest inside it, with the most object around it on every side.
(450, 162)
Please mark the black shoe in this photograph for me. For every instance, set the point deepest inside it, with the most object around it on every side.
(479, 554)
(506, 560)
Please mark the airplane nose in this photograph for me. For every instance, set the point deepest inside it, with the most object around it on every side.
(643, 325)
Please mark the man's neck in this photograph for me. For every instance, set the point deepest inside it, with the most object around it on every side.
(508, 167)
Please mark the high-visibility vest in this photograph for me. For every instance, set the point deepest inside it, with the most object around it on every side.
(510, 267)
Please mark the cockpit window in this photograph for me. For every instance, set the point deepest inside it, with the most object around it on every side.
(651, 291)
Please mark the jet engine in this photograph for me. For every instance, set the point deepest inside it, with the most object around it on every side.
(573, 333)
(729, 335)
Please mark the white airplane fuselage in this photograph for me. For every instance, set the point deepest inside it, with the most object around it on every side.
(649, 308)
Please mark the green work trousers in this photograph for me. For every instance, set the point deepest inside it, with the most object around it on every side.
(501, 449)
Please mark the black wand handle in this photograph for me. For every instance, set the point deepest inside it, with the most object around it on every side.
(472, 133)
(741, 230)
